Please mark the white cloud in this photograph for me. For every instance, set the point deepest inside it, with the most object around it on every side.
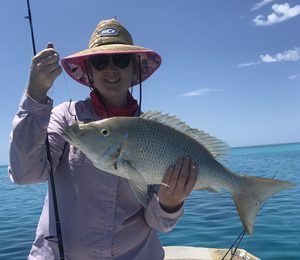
(281, 12)
(247, 64)
(289, 55)
(294, 76)
(267, 58)
(261, 4)
(200, 92)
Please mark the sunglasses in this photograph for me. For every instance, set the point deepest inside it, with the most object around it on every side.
(100, 62)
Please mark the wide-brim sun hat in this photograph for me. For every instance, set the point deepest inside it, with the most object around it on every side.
(111, 37)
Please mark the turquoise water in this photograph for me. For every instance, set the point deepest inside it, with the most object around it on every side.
(210, 219)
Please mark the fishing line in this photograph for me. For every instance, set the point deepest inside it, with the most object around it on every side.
(70, 99)
(275, 174)
(239, 240)
(49, 158)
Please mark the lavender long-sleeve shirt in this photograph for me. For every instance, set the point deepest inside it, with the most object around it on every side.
(100, 217)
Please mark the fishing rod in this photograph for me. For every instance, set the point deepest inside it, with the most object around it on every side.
(232, 249)
(57, 221)
(29, 17)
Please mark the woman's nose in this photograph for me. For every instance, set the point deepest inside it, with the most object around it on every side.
(111, 65)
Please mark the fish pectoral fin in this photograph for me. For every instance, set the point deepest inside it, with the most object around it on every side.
(111, 155)
(140, 191)
(136, 181)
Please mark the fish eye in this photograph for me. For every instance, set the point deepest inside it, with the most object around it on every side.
(105, 132)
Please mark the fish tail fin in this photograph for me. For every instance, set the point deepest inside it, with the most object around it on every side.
(252, 193)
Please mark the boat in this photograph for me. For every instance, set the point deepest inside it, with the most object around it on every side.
(203, 253)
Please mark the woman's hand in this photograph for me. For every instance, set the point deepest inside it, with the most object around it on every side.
(44, 70)
(180, 180)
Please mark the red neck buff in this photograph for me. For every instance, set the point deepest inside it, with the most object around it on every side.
(100, 108)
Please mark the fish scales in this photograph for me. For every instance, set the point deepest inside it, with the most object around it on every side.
(141, 150)
(154, 147)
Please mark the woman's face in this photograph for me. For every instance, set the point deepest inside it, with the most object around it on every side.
(112, 76)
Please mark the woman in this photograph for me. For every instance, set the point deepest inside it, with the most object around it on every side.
(100, 217)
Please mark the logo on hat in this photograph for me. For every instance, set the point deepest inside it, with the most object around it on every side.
(109, 32)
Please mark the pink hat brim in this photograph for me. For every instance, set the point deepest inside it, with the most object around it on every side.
(75, 65)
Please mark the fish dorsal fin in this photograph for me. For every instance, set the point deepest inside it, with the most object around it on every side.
(215, 146)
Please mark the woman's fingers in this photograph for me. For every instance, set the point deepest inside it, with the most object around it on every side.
(178, 183)
(184, 174)
(191, 181)
(175, 174)
(167, 177)
(45, 60)
(45, 69)
(56, 72)
(181, 177)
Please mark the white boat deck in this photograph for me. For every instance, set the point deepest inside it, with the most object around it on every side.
(202, 253)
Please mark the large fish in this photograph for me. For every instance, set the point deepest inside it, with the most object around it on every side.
(141, 149)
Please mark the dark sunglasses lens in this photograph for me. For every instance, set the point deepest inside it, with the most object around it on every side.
(100, 62)
(121, 60)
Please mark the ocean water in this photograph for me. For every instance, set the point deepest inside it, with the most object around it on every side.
(210, 219)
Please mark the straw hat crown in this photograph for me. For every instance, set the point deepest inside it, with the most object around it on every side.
(110, 32)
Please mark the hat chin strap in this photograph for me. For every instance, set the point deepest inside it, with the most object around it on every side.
(98, 93)
(140, 85)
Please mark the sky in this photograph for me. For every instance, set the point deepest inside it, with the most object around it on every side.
(230, 68)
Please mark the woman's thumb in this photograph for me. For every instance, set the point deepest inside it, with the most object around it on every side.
(50, 45)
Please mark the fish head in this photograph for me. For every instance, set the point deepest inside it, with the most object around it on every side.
(101, 141)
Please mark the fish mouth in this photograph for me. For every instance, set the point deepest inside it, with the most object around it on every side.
(66, 137)
(69, 135)
(112, 155)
